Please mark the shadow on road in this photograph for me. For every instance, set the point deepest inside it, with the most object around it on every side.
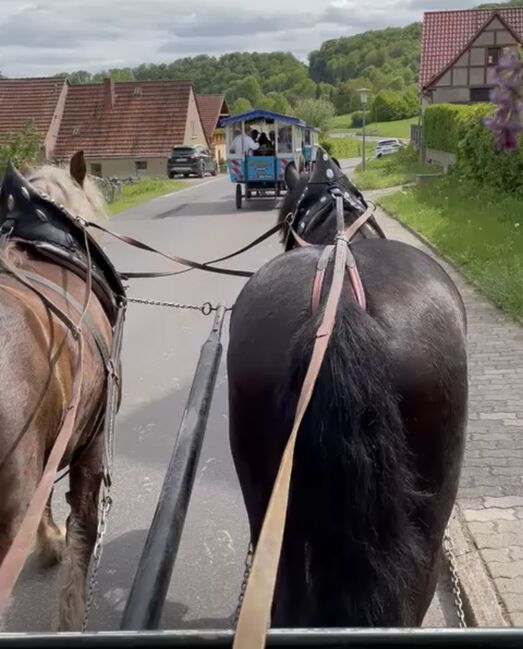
(147, 435)
(219, 208)
(120, 560)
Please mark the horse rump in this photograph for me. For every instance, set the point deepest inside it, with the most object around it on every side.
(351, 553)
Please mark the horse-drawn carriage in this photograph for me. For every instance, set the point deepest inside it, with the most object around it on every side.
(260, 171)
(362, 526)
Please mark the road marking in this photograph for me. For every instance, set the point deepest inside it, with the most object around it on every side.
(187, 189)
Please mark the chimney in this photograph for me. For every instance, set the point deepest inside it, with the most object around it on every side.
(109, 94)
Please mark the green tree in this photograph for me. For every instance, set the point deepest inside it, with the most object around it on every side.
(241, 105)
(315, 112)
(24, 145)
(279, 103)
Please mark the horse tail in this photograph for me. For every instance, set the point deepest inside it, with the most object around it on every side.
(350, 549)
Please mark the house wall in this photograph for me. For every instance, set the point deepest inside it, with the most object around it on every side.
(218, 145)
(194, 133)
(472, 69)
(54, 127)
(126, 167)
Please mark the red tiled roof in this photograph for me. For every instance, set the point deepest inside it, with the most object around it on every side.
(25, 100)
(446, 34)
(211, 107)
(147, 118)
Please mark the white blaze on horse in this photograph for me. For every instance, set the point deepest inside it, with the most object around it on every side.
(43, 262)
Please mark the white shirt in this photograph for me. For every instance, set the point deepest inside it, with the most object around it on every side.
(243, 143)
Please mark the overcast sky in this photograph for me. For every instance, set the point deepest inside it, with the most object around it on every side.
(47, 36)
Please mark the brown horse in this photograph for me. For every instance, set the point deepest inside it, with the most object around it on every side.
(37, 360)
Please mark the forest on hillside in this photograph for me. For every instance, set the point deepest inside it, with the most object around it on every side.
(385, 61)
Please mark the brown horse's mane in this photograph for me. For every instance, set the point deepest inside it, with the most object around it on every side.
(86, 201)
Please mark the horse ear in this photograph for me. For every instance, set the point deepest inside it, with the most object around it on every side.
(78, 168)
(25, 168)
(291, 175)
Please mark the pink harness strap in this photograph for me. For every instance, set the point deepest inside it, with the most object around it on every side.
(323, 262)
(352, 269)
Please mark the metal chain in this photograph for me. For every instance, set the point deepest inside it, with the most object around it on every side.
(456, 589)
(447, 545)
(246, 574)
(206, 308)
(105, 501)
(104, 509)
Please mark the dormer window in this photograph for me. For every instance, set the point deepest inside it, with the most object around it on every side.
(137, 92)
(76, 132)
(493, 55)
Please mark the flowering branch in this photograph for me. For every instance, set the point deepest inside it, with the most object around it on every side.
(506, 123)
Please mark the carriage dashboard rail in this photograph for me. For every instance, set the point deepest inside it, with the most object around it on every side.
(487, 638)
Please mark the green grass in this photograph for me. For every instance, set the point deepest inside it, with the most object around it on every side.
(478, 229)
(391, 170)
(347, 147)
(144, 190)
(342, 122)
(399, 128)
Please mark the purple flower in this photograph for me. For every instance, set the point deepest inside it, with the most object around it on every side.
(506, 124)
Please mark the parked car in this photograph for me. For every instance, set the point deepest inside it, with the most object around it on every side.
(191, 159)
(386, 147)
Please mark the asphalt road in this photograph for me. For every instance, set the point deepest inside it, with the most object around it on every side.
(160, 352)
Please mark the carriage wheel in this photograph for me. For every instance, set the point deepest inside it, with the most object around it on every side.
(238, 196)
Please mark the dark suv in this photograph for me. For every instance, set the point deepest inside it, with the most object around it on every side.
(187, 159)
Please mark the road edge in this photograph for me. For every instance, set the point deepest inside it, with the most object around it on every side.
(481, 601)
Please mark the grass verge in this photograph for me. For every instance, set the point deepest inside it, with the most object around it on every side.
(347, 147)
(144, 190)
(391, 170)
(480, 231)
(399, 128)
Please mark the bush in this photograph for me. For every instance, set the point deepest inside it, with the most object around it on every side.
(21, 147)
(441, 126)
(460, 130)
(357, 118)
(327, 145)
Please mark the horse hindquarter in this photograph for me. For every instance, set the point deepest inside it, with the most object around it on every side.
(356, 552)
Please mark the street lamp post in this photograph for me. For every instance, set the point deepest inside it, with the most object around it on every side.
(364, 95)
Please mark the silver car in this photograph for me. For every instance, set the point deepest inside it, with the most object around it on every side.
(386, 147)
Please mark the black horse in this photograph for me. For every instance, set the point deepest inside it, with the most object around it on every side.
(379, 452)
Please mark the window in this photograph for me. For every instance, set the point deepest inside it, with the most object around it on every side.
(96, 169)
(140, 166)
(480, 94)
(137, 92)
(493, 55)
(76, 132)
(193, 129)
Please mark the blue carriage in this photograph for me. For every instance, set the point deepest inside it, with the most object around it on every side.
(281, 139)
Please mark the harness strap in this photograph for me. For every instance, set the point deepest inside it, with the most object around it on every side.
(323, 262)
(100, 342)
(256, 607)
(179, 260)
(252, 244)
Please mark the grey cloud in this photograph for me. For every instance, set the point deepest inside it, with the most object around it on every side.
(38, 27)
(94, 34)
